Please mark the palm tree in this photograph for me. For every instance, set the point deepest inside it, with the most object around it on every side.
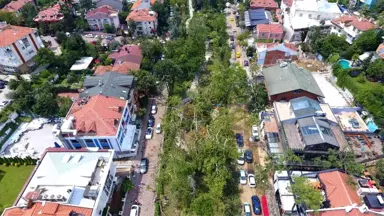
(355, 57)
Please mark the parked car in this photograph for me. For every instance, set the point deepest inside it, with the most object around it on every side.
(109, 37)
(232, 38)
(251, 180)
(144, 165)
(149, 133)
(248, 156)
(89, 35)
(234, 30)
(246, 63)
(256, 206)
(151, 121)
(247, 209)
(233, 45)
(255, 132)
(240, 160)
(239, 140)
(134, 210)
(158, 128)
(153, 109)
(2, 86)
(4, 103)
(243, 177)
(5, 82)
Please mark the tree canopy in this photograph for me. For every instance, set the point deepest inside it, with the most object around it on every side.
(305, 193)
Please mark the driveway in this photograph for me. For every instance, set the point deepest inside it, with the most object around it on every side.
(55, 47)
(144, 191)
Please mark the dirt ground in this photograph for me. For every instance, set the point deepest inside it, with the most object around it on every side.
(312, 65)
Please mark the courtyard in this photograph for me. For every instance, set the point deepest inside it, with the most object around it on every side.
(12, 180)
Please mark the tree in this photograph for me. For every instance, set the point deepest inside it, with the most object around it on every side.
(65, 104)
(380, 169)
(45, 56)
(146, 82)
(131, 27)
(334, 58)
(28, 12)
(46, 104)
(168, 72)
(127, 185)
(10, 18)
(355, 57)
(259, 98)
(376, 69)
(305, 193)
(108, 28)
(86, 5)
(251, 51)
(127, 6)
(330, 44)
(162, 16)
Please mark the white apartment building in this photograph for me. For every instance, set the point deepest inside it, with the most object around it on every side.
(146, 21)
(306, 13)
(104, 117)
(65, 181)
(351, 26)
(18, 46)
(102, 15)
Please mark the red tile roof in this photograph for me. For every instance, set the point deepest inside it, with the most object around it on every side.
(14, 6)
(270, 28)
(71, 95)
(10, 34)
(361, 24)
(341, 212)
(267, 4)
(123, 68)
(380, 50)
(339, 193)
(104, 10)
(138, 3)
(140, 15)
(99, 115)
(270, 45)
(47, 209)
(51, 14)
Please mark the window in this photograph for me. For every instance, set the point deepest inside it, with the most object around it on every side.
(90, 143)
(309, 15)
(301, 15)
(26, 42)
(318, 17)
(76, 144)
(104, 144)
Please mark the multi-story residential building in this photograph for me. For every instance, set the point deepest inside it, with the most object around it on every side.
(101, 16)
(127, 58)
(50, 15)
(351, 26)
(18, 46)
(16, 6)
(342, 193)
(270, 31)
(306, 13)
(270, 54)
(104, 116)
(67, 182)
(146, 21)
(308, 127)
(288, 81)
(266, 4)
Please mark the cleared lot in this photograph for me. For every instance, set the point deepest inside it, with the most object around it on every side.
(332, 95)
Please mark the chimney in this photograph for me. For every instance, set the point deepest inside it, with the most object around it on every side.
(29, 203)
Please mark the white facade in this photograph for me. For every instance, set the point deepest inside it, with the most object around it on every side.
(125, 142)
(76, 178)
(306, 13)
(350, 32)
(98, 24)
(145, 27)
(21, 52)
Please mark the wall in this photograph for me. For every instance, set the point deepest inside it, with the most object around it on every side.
(287, 96)
(272, 57)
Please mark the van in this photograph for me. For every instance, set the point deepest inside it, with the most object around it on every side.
(135, 210)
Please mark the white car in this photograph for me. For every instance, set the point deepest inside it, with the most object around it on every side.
(241, 160)
(4, 103)
(134, 210)
(149, 133)
(158, 128)
(255, 132)
(247, 209)
(234, 30)
(243, 177)
(251, 180)
(89, 35)
(153, 109)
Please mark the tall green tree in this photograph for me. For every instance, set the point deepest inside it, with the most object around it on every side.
(376, 69)
(45, 101)
(28, 12)
(305, 193)
(168, 72)
(45, 56)
(10, 18)
(131, 27)
(86, 5)
(162, 10)
(146, 82)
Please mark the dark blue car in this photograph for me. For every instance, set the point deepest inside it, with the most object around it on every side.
(256, 206)
(151, 121)
(239, 140)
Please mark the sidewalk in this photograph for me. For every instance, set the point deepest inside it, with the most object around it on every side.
(145, 185)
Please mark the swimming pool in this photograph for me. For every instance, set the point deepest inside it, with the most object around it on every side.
(345, 64)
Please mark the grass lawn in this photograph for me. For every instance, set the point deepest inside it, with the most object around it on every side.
(12, 180)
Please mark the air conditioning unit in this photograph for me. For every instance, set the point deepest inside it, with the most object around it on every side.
(320, 113)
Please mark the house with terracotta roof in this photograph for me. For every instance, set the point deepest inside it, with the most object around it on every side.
(127, 58)
(16, 6)
(380, 51)
(146, 21)
(340, 197)
(141, 4)
(270, 54)
(104, 115)
(351, 26)
(18, 46)
(266, 4)
(269, 31)
(50, 15)
(67, 182)
(101, 16)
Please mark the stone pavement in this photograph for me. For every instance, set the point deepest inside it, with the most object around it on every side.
(145, 185)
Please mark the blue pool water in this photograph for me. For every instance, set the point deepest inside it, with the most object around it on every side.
(372, 127)
(344, 64)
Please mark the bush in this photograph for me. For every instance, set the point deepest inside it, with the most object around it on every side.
(5, 164)
(157, 209)
(25, 163)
